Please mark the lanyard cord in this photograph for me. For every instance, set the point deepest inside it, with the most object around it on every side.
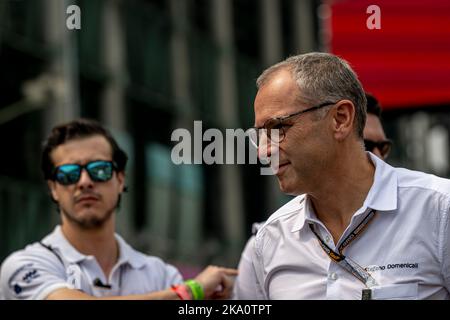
(97, 282)
(357, 231)
(50, 248)
(345, 262)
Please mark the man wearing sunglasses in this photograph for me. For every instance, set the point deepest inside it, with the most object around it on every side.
(358, 228)
(374, 137)
(83, 258)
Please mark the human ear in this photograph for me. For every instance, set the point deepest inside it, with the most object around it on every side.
(121, 180)
(343, 119)
(52, 187)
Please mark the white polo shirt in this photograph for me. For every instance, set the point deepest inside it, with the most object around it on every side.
(406, 247)
(36, 271)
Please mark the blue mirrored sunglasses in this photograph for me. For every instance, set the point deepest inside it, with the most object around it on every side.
(99, 171)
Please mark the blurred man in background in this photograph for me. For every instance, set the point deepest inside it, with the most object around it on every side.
(374, 141)
(374, 137)
(358, 228)
(83, 258)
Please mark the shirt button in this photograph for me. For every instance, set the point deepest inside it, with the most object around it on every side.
(327, 238)
(333, 276)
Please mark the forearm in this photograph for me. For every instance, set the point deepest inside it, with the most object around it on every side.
(71, 294)
(211, 283)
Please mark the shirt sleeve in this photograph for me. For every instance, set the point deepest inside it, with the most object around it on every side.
(173, 276)
(160, 275)
(246, 286)
(31, 274)
(445, 243)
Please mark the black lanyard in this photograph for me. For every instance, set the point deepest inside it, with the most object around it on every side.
(97, 282)
(345, 262)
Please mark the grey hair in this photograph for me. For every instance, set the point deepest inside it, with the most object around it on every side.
(323, 77)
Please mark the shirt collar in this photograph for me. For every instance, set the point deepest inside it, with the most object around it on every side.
(57, 240)
(306, 213)
(302, 203)
(128, 255)
(382, 195)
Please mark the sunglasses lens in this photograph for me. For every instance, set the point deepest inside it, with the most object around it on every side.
(369, 145)
(100, 170)
(385, 148)
(68, 174)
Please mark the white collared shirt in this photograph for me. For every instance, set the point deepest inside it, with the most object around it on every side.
(406, 247)
(36, 271)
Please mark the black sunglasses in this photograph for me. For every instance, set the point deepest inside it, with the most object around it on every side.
(384, 146)
(99, 171)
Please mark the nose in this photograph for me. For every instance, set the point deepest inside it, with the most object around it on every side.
(266, 149)
(263, 146)
(85, 180)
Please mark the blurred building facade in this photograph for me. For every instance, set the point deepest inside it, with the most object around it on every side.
(147, 67)
(144, 68)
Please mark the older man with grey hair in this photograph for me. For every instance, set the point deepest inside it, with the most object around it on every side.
(358, 228)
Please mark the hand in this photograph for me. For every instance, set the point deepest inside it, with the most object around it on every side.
(217, 282)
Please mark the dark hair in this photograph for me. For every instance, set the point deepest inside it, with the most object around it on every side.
(373, 106)
(76, 129)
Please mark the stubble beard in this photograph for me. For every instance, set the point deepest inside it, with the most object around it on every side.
(89, 222)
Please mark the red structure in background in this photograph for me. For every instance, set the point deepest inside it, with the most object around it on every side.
(406, 63)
